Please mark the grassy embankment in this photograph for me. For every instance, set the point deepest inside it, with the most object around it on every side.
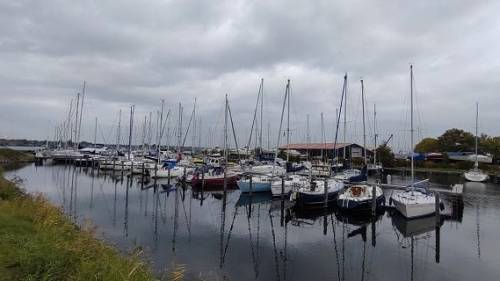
(9, 156)
(458, 167)
(38, 242)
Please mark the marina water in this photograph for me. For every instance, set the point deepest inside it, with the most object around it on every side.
(238, 237)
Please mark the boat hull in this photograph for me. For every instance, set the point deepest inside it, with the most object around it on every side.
(306, 199)
(215, 182)
(244, 186)
(475, 177)
(361, 205)
(411, 211)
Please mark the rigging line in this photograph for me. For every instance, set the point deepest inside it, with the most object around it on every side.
(254, 116)
(234, 132)
(281, 126)
(189, 124)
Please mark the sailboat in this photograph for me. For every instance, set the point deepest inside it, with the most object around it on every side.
(475, 174)
(360, 196)
(415, 201)
(319, 192)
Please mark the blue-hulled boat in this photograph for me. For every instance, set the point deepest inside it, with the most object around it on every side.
(359, 198)
(259, 184)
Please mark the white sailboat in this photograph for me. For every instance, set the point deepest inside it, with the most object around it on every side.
(413, 202)
(475, 174)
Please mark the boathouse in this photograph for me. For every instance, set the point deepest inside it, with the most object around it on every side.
(316, 150)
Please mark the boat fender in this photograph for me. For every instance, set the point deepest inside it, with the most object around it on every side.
(390, 201)
(441, 206)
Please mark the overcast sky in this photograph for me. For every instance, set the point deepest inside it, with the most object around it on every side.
(138, 52)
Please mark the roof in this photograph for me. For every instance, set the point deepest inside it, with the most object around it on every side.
(327, 145)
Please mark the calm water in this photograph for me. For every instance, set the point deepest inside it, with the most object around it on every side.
(238, 238)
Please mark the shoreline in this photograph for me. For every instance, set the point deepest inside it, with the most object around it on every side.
(39, 242)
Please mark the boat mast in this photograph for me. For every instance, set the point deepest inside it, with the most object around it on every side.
(225, 146)
(308, 135)
(95, 133)
(261, 112)
(76, 119)
(345, 113)
(81, 114)
(280, 128)
(476, 164)
(160, 127)
(179, 134)
(288, 124)
(364, 125)
(131, 126)
(118, 133)
(375, 134)
(323, 140)
(411, 129)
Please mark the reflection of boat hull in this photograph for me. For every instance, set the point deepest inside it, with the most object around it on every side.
(358, 219)
(257, 198)
(415, 226)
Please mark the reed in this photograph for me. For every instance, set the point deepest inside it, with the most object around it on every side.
(38, 242)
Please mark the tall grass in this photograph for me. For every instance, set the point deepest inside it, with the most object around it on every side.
(38, 242)
(12, 156)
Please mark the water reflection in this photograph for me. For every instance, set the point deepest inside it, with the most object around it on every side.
(242, 237)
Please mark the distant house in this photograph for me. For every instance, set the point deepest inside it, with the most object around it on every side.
(316, 150)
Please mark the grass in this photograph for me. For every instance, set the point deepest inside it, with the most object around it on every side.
(12, 156)
(38, 242)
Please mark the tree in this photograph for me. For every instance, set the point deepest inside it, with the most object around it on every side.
(490, 145)
(427, 145)
(456, 140)
(385, 156)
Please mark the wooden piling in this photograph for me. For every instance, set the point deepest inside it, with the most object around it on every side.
(325, 191)
(438, 211)
(374, 200)
(282, 188)
(251, 185)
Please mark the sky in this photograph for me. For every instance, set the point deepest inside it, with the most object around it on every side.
(140, 52)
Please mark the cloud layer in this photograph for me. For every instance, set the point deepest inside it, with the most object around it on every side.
(139, 52)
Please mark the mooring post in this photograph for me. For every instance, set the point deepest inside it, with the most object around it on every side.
(114, 164)
(131, 169)
(251, 186)
(122, 167)
(202, 186)
(156, 172)
(325, 191)
(282, 188)
(143, 171)
(374, 200)
(438, 243)
(184, 176)
(438, 211)
(168, 177)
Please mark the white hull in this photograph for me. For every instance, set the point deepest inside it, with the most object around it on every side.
(414, 204)
(476, 176)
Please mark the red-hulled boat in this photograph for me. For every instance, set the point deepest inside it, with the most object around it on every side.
(217, 180)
